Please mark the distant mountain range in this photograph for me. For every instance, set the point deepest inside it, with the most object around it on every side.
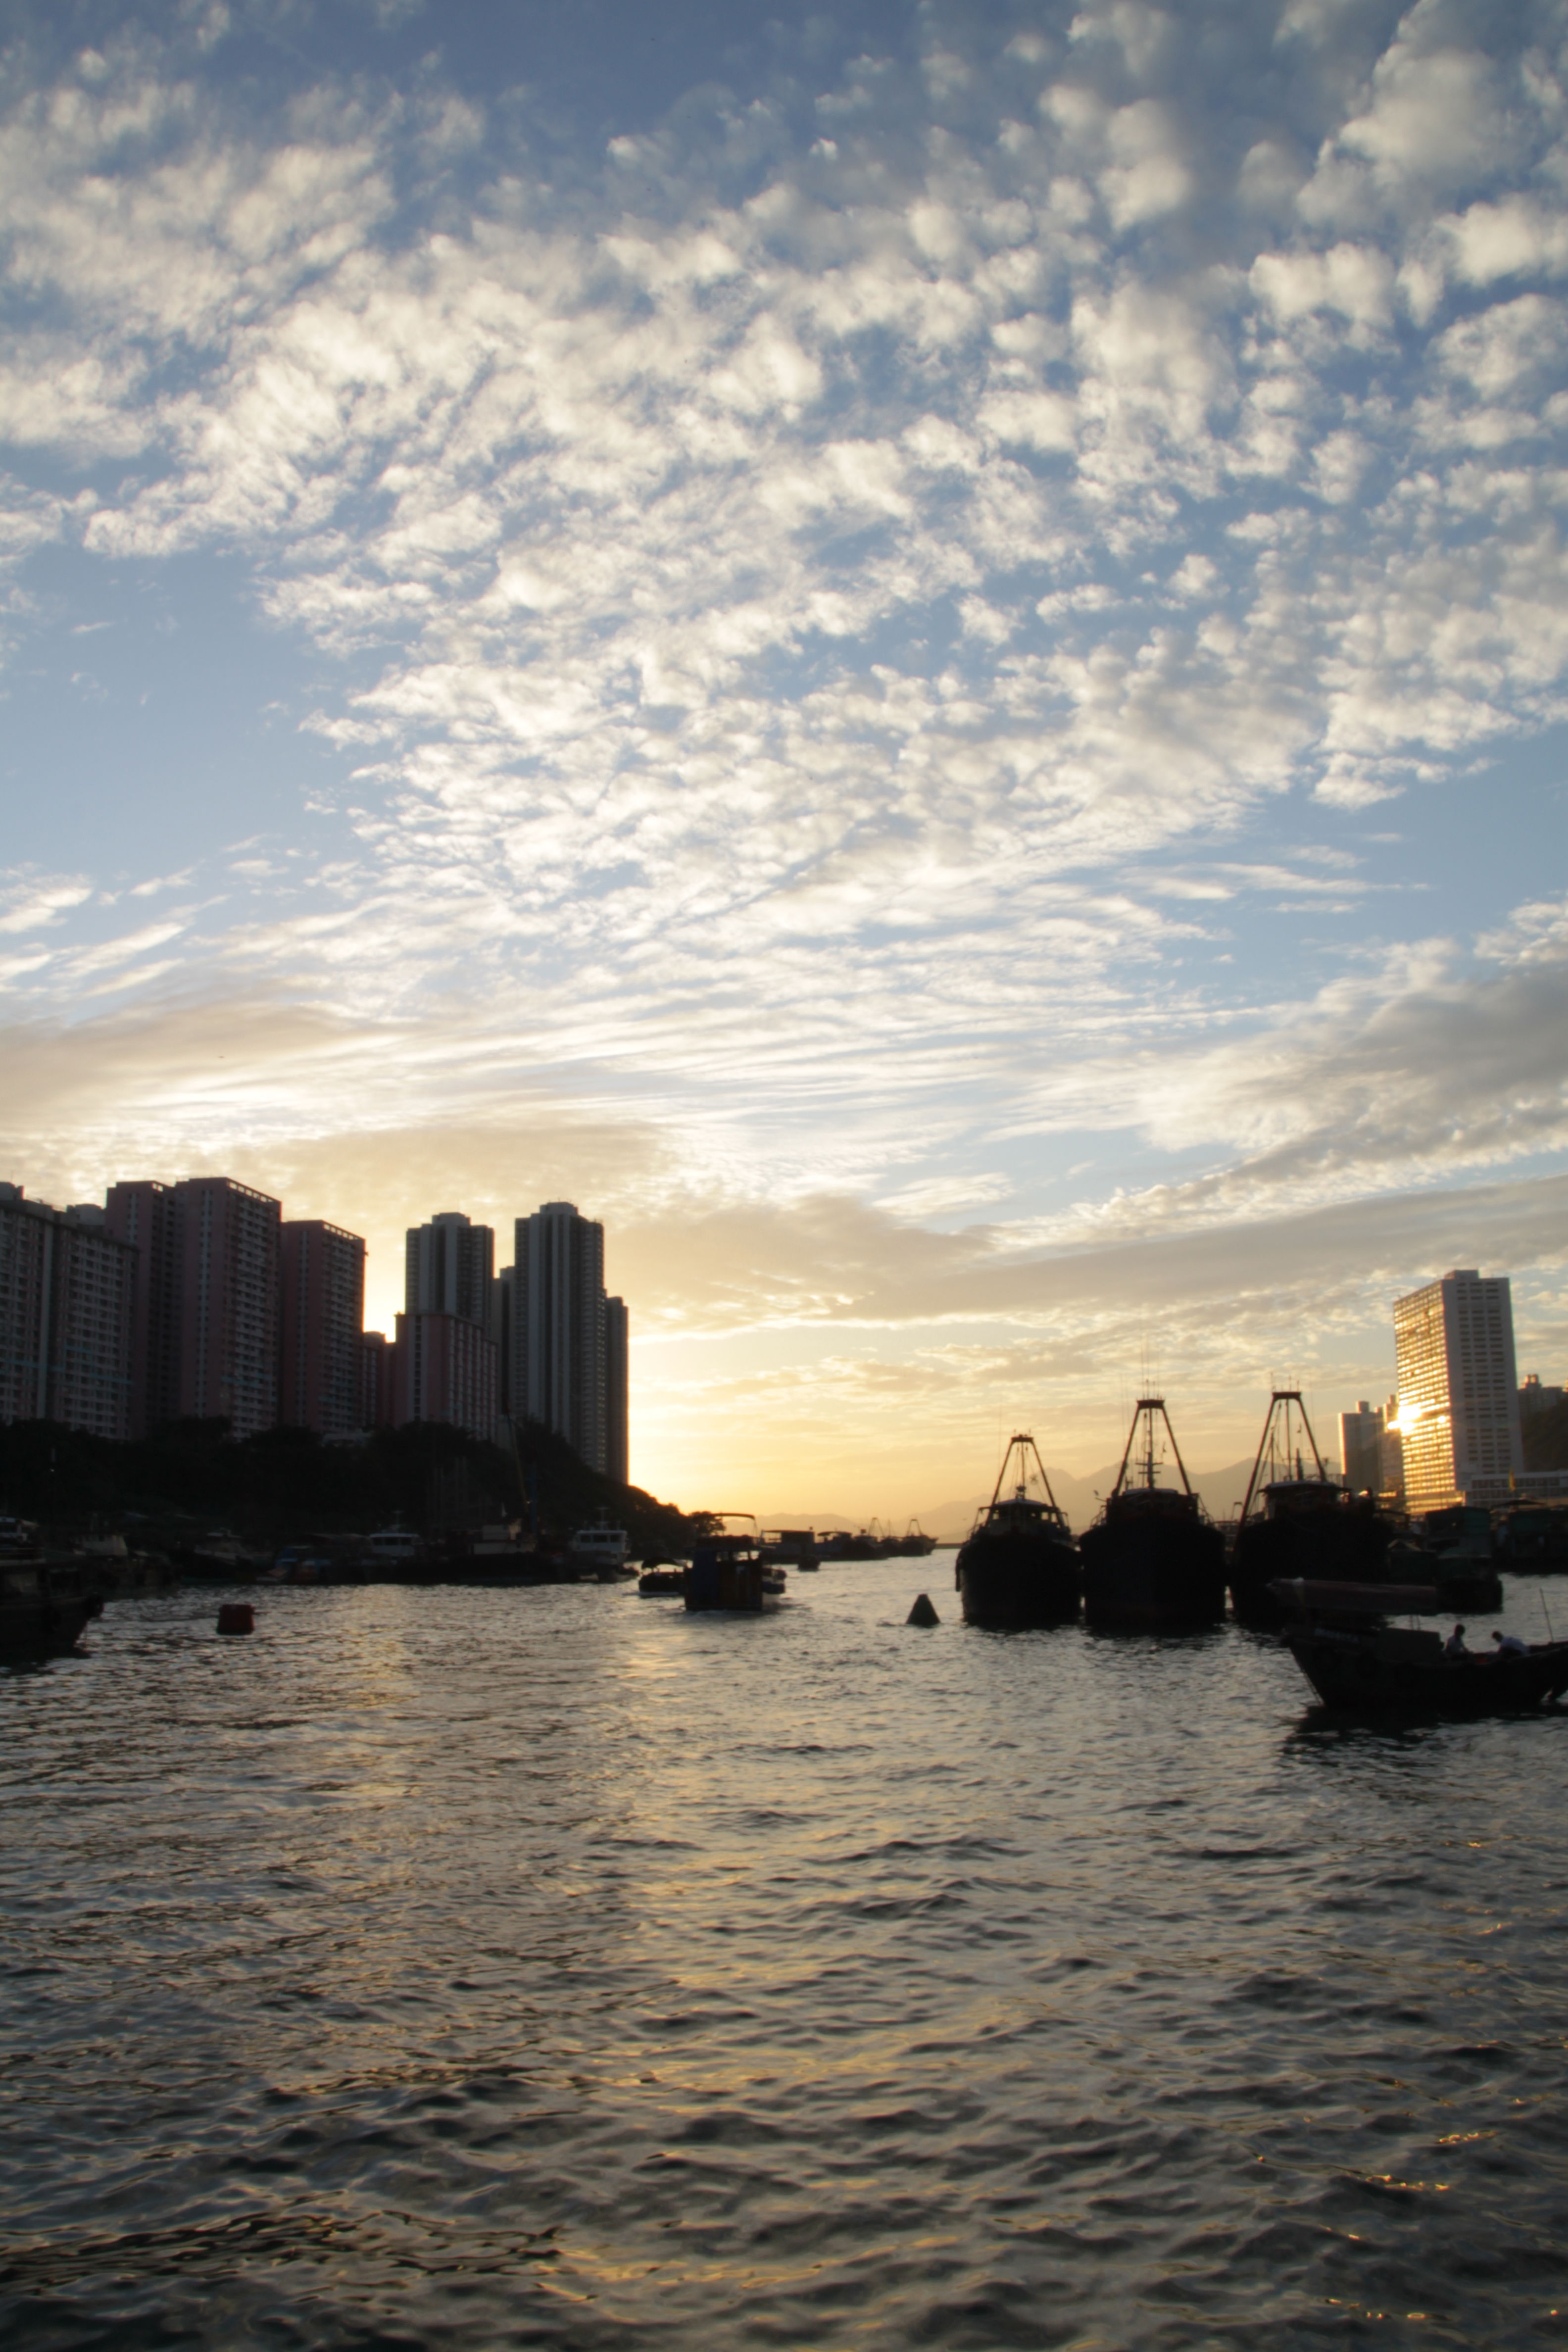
(1221, 1492)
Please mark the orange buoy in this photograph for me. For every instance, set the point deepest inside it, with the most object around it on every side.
(236, 1617)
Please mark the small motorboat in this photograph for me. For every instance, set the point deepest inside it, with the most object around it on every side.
(662, 1579)
(45, 1606)
(600, 1550)
(393, 1551)
(727, 1570)
(1020, 1565)
(791, 1548)
(1357, 1662)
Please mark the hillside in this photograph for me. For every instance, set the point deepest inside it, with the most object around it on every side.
(286, 1482)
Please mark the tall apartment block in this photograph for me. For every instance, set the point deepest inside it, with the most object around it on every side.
(1459, 1390)
(558, 1327)
(322, 1328)
(449, 1266)
(147, 1215)
(1369, 1449)
(444, 1369)
(1535, 1400)
(502, 1324)
(566, 1344)
(1361, 1447)
(229, 1249)
(377, 1380)
(616, 1334)
(445, 1355)
(65, 1301)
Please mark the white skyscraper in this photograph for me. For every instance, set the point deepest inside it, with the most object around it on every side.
(1459, 1390)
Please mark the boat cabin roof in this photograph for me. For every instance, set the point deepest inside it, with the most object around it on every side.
(1287, 1497)
(1153, 1502)
(1020, 1510)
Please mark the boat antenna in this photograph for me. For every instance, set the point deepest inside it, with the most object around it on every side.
(1546, 1612)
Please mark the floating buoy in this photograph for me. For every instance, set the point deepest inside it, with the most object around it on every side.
(236, 1617)
(923, 1612)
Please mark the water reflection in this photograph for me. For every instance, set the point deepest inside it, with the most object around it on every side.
(551, 1967)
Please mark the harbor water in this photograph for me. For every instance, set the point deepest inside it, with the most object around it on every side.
(464, 1968)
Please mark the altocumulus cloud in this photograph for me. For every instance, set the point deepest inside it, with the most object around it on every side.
(859, 626)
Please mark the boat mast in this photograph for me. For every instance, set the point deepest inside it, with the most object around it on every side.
(1144, 1411)
(1286, 1398)
(1020, 1441)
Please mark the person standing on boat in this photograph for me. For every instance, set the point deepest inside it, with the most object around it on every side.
(1454, 1647)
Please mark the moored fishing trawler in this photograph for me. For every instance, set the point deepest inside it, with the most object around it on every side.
(1153, 1558)
(913, 1544)
(1020, 1565)
(1296, 1523)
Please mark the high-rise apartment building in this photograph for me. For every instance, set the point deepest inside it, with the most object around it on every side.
(1534, 1398)
(147, 1215)
(377, 1380)
(444, 1369)
(65, 1301)
(229, 1247)
(448, 1266)
(1459, 1390)
(502, 1333)
(1361, 1447)
(616, 1380)
(1369, 1449)
(557, 1365)
(322, 1321)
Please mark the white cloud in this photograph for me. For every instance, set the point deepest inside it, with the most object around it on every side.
(1434, 113)
(1507, 239)
(1148, 174)
(33, 905)
(795, 607)
(1356, 280)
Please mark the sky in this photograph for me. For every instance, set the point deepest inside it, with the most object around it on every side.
(917, 652)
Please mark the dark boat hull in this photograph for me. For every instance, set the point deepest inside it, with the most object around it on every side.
(1152, 1573)
(36, 1622)
(1403, 1674)
(1335, 1545)
(1018, 1578)
(725, 1584)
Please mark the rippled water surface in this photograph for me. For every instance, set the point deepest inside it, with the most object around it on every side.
(464, 1968)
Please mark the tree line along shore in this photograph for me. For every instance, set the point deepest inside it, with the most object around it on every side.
(269, 1489)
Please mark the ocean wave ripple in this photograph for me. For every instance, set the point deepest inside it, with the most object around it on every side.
(470, 1969)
